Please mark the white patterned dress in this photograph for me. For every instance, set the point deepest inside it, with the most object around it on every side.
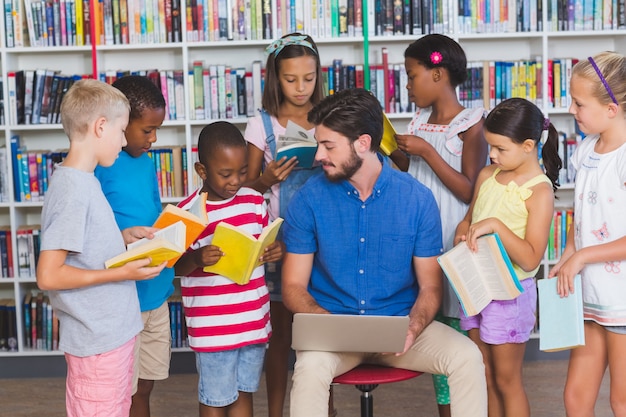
(600, 200)
(446, 141)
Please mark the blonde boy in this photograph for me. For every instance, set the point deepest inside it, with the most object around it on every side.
(98, 309)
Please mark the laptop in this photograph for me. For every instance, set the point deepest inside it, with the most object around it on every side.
(349, 333)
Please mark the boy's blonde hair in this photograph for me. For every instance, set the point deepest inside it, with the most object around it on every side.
(612, 67)
(87, 100)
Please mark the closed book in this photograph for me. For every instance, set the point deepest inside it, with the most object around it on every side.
(388, 142)
(561, 322)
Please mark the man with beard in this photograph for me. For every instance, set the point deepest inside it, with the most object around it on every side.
(363, 238)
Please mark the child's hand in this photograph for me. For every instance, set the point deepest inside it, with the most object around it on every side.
(139, 270)
(413, 145)
(273, 252)
(565, 271)
(132, 234)
(278, 171)
(207, 255)
(460, 235)
(477, 230)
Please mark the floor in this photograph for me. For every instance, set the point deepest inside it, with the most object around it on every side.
(176, 397)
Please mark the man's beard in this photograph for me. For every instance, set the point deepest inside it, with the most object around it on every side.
(347, 169)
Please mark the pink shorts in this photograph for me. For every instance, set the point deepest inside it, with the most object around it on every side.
(100, 385)
(506, 321)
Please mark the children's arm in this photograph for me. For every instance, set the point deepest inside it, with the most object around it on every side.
(526, 252)
(135, 233)
(474, 157)
(275, 171)
(192, 260)
(573, 264)
(296, 274)
(54, 274)
(400, 159)
(273, 253)
(460, 233)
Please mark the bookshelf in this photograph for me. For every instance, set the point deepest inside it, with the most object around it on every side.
(350, 47)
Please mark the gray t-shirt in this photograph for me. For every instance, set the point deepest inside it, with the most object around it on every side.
(76, 217)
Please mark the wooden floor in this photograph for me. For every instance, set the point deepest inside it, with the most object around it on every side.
(176, 397)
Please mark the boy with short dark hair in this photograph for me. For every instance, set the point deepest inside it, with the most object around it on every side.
(228, 323)
(98, 308)
(130, 186)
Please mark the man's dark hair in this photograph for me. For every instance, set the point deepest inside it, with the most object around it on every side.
(352, 113)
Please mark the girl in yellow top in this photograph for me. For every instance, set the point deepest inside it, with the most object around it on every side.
(514, 198)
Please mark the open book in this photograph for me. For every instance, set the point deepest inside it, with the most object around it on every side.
(482, 276)
(388, 142)
(241, 250)
(561, 321)
(297, 142)
(195, 222)
(167, 244)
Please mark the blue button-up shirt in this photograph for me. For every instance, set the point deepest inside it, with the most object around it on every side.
(364, 250)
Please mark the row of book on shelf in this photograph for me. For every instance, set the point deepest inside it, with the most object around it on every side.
(33, 170)
(67, 22)
(561, 222)
(41, 325)
(178, 326)
(27, 239)
(225, 92)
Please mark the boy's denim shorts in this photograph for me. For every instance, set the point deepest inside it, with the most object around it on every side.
(223, 374)
(506, 321)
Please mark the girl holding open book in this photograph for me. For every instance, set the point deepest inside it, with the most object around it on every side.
(293, 85)
(515, 199)
(596, 246)
(445, 150)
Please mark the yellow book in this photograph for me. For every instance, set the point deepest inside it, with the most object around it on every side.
(80, 35)
(195, 222)
(388, 142)
(167, 244)
(241, 250)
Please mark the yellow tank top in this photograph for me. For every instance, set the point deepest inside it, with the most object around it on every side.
(507, 203)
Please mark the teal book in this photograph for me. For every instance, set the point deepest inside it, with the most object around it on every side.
(480, 277)
(561, 322)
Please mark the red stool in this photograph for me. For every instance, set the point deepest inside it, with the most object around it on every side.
(367, 377)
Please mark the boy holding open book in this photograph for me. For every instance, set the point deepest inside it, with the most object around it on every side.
(228, 322)
(98, 308)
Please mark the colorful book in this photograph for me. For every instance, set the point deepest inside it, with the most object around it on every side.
(241, 250)
(167, 244)
(561, 321)
(388, 142)
(482, 276)
(297, 142)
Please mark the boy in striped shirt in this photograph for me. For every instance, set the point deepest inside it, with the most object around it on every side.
(228, 323)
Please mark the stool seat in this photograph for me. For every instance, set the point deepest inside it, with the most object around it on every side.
(374, 374)
(366, 378)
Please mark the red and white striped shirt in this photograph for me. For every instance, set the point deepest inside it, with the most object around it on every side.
(220, 314)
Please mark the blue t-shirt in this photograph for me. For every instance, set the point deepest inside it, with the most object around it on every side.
(130, 185)
(364, 250)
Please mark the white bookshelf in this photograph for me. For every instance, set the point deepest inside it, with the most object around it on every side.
(75, 60)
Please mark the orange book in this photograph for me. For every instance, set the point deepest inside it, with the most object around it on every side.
(195, 221)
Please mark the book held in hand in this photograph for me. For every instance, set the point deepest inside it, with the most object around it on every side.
(297, 142)
(561, 321)
(482, 276)
(167, 244)
(195, 224)
(388, 142)
(241, 250)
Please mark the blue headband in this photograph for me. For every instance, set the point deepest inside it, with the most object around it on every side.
(606, 85)
(278, 45)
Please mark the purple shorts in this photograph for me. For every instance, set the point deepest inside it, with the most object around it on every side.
(506, 321)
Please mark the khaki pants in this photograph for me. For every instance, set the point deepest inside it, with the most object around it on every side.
(438, 350)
